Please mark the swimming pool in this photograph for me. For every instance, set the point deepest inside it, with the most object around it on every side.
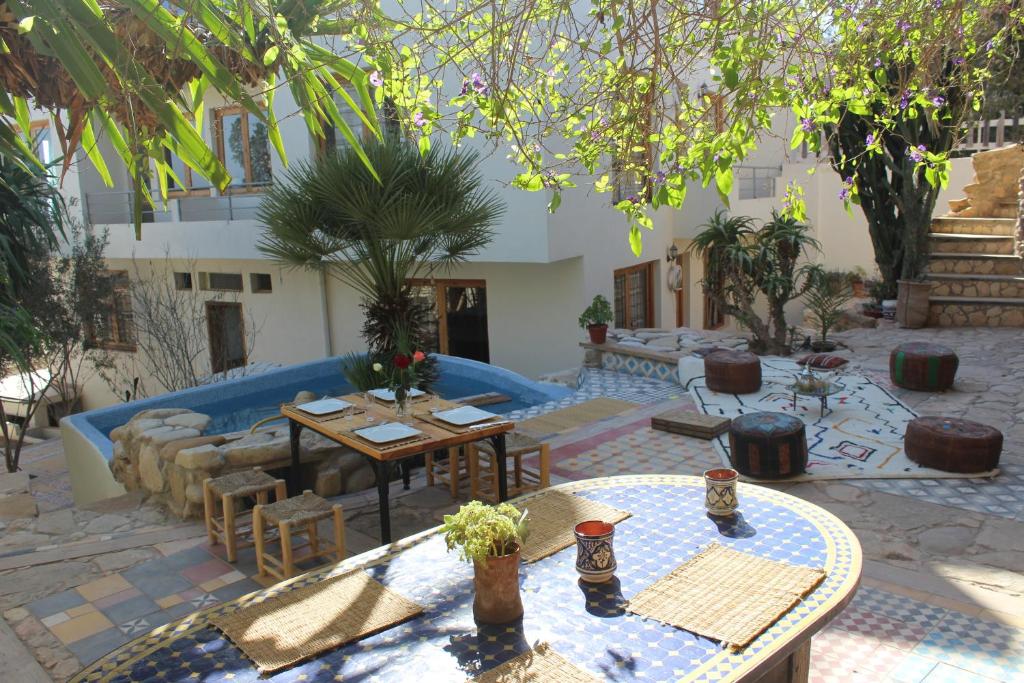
(236, 404)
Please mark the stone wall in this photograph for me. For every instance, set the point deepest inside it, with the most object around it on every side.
(993, 192)
(165, 453)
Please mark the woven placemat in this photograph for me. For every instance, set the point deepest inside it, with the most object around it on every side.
(539, 665)
(302, 623)
(552, 517)
(725, 594)
(457, 429)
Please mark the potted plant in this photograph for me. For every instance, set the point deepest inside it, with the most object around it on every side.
(857, 282)
(826, 297)
(596, 318)
(489, 536)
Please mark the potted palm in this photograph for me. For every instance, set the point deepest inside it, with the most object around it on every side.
(826, 298)
(595, 319)
(489, 536)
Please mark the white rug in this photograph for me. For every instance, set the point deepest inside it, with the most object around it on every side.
(861, 438)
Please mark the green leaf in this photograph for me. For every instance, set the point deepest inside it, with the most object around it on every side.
(636, 242)
(270, 55)
(92, 150)
(556, 201)
(23, 116)
(723, 180)
(25, 25)
(424, 144)
(273, 129)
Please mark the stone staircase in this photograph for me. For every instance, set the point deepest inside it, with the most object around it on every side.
(979, 280)
(974, 261)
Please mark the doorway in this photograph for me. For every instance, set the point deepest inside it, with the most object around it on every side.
(227, 335)
(634, 296)
(458, 326)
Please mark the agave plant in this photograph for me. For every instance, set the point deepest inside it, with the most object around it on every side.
(425, 213)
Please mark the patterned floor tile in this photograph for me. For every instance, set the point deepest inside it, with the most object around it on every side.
(56, 603)
(945, 673)
(898, 607)
(912, 669)
(984, 647)
(131, 609)
(881, 627)
(204, 600)
(88, 650)
(134, 627)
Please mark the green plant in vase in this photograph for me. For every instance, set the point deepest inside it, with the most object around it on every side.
(490, 536)
(595, 319)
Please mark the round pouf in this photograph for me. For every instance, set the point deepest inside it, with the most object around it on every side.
(953, 445)
(768, 445)
(732, 372)
(922, 366)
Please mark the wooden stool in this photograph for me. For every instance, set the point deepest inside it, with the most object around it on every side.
(295, 517)
(483, 480)
(953, 445)
(445, 471)
(732, 372)
(923, 366)
(768, 445)
(228, 489)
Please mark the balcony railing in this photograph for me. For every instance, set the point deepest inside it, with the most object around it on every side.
(757, 182)
(993, 133)
(240, 203)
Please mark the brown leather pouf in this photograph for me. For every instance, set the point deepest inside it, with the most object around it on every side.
(732, 372)
(953, 445)
(923, 366)
(768, 445)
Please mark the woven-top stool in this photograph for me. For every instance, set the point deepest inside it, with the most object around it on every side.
(232, 529)
(952, 444)
(768, 445)
(446, 471)
(923, 366)
(296, 517)
(732, 372)
(483, 467)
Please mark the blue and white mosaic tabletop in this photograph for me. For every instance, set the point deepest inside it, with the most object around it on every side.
(585, 623)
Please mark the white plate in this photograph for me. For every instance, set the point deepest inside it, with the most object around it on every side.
(390, 431)
(389, 395)
(324, 406)
(466, 415)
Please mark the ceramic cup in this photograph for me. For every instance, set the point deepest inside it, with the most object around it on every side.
(720, 499)
(595, 559)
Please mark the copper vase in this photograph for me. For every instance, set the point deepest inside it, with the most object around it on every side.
(496, 581)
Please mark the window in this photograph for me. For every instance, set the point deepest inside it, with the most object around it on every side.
(388, 117)
(459, 324)
(634, 296)
(189, 183)
(227, 335)
(221, 282)
(182, 281)
(261, 283)
(243, 148)
(42, 143)
(631, 176)
(115, 330)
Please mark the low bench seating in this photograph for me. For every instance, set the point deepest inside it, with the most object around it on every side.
(296, 517)
(230, 528)
(952, 444)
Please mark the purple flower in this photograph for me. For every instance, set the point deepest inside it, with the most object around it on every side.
(633, 199)
(419, 120)
(959, 60)
(375, 80)
(847, 188)
(807, 124)
(659, 177)
(938, 100)
(905, 99)
(465, 87)
(904, 25)
(479, 84)
(916, 154)
(878, 63)
(870, 139)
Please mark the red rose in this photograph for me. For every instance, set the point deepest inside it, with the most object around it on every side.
(418, 356)
(402, 361)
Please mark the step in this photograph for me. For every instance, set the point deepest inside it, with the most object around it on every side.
(974, 226)
(952, 242)
(969, 311)
(956, 284)
(975, 264)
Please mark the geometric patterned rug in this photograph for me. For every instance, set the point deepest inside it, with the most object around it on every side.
(860, 437)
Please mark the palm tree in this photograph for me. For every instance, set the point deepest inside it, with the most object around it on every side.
(425, 213)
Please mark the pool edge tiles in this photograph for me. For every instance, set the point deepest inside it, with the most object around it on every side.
(89, 450)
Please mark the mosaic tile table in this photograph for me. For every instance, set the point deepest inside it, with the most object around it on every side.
(584, 623)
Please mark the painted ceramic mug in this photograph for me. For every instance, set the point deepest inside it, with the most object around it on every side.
(595, 558)
(720, 498)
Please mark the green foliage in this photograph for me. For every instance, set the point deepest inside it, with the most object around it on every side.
(357, 368)
(745, 262)
(599, 312)
(480, 531)
(425, 214)
(826, 298)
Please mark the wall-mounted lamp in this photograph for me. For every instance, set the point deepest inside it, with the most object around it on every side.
(704, 90)
(673, 253)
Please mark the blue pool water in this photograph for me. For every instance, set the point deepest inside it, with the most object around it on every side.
(236, 404)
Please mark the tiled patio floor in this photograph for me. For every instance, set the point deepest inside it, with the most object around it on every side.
(941, 600)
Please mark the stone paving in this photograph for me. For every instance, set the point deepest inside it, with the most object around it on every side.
(942, 599)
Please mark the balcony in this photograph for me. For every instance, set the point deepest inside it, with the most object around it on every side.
(241, 203)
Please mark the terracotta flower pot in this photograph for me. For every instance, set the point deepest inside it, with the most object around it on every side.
(598, 333)
(496, 581)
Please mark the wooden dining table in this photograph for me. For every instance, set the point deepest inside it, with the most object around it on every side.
(341, 427)
(588, 624)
